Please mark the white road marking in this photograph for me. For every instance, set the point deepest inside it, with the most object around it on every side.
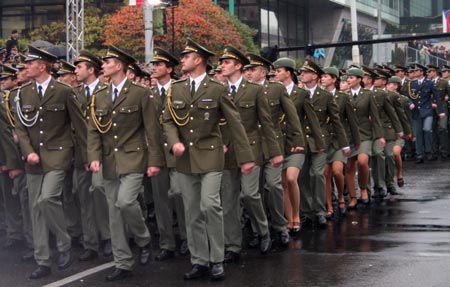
(80, 275)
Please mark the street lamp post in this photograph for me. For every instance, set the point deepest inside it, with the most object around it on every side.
(148, 27)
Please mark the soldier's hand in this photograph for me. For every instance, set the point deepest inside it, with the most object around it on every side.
(434, 106)
(95, 166)
(33, 158)
(86, 166)
(297, 149)
(3, 168)
(409, 136)
(413, 139)
(346, 151)
(321, 150)
(442, 116)
(411, 107)
(178, 149)
(225, 149)
(357, 147)
(13, 173)
(153, 170)
(382, 142)
(277, 160)
(246, 168)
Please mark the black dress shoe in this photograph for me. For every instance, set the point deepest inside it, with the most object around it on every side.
(284, 237)
(165, 254)
(88, 255)
(321, 221)
(107, 248)
(28, 255)
(231, 257)
(265, 243)
(419, 160)
(118, 274)
(184, 248)
(217, 272)
(64, 260)
(197, 271)
(254, 241)
(41, 272)
(307, 222)
(145, 254)
(392, 191)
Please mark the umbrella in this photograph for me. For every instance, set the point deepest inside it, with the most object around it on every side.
(42, 44)
(58, 51)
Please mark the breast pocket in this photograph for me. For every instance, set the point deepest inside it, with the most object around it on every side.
(129, 115)
(321, 112)
(207, 110)
(28, 110)
(56, 112)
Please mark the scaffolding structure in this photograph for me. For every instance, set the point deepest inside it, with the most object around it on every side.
(74, 28)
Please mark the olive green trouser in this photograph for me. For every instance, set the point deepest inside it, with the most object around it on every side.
(312, 185)
(47, 215)
(11, 205)
(383, 165)
(275, 196)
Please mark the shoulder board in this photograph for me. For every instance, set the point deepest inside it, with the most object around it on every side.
(254, 83)
(138, 84)
(25, 85)
(100, 88)
(64, 84)
(179, 81)
(217, 82)
(276, 83)
(14, 89)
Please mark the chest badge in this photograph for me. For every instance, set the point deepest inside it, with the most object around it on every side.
(206, 116)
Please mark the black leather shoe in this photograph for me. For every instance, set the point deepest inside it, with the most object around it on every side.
(231, 257)
(321, 221)
(64, 260)
(307, 222)
(28, 255)
(145, 254)
(265, 243)
(165, 254)
(393, 191)
(118, 274)
(107, 248)
(217, 272)
(41, 272)
(254, 241)
(88, 255)
(197, 271)
(419, 160)
(284, 237)
(184, 248)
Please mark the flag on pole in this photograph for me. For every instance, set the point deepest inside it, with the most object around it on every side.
(446, 21)
(135, 2)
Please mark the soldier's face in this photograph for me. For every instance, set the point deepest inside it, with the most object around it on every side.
(343, 86)
(34, 69)
(7, 84)
(253, 74)
(367, 81)
(354, 82)
(379, 83)
(282, 75)
(327, 80)
(445, 74)
(400, 73)
(22, 76)
(188, 62)
(308, 77)
(111, 67)
(230, 67)
(391, 87)
(159, 70)
(82, 72)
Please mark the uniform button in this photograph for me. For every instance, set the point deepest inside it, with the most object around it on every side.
(165, 144)
(40, 108)
(253, 142)
(41, 132)
(114, 124)
(191, 143)
(114, 112)
(138, 148)
(191, 131)
(307, 136)
(191, 118)
(60, 147)
(212, 147)
(41, 144)
(41, 119)
(115, 137)
(87, 117)
(259, 126)
(277, 136)
(192, 106)
(307, 127)
(116, 149)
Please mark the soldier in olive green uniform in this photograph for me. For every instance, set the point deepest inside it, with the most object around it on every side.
(191, 124)
(335, 159)
(124, 136)
(283, 112)
(252, 104)
(369, 130)
(312, 180)
(384, 163)
(166, 185)
(87, 185)
(440, 133)
(46, 110)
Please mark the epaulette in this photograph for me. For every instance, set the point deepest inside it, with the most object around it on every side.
(275, 83)
(99, 89)
(26, 84)
(138, 84)
(64, 84)
(179, 81)
(218, 82)
(14, 89)
(254, 83)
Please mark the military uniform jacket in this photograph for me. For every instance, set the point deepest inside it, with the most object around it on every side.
(311, 127)
(388, 117)
(50, 137)
(9, 151)
(422, 98)
(348, 119)
(133, 142)
(254, 109)
(169, 157)
(367, 114)
(282, 110)
(401, 106)
(327, 113)
(199, 130)
(443, 88)
(85, 108)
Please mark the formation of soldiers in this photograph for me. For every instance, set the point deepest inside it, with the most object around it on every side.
(247, 139)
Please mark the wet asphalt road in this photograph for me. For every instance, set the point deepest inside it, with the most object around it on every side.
(401, 241)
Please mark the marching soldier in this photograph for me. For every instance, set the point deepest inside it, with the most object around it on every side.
(313, 183)
(124, 137)
(87, 185)
(46, 109)
(253, 106)
(191, 124)
(166, 185)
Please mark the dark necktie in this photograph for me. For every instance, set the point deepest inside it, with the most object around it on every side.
(88, 94)
(192, 88)
(41, 94)
(116, 94)
(233, 91)
(163, 94)
(354, 96)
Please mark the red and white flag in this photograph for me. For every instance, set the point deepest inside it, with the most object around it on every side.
(446, 21)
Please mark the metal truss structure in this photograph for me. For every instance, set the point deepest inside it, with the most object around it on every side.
(74, 28)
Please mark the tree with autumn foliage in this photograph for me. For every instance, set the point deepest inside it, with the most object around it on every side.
(201, 20)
